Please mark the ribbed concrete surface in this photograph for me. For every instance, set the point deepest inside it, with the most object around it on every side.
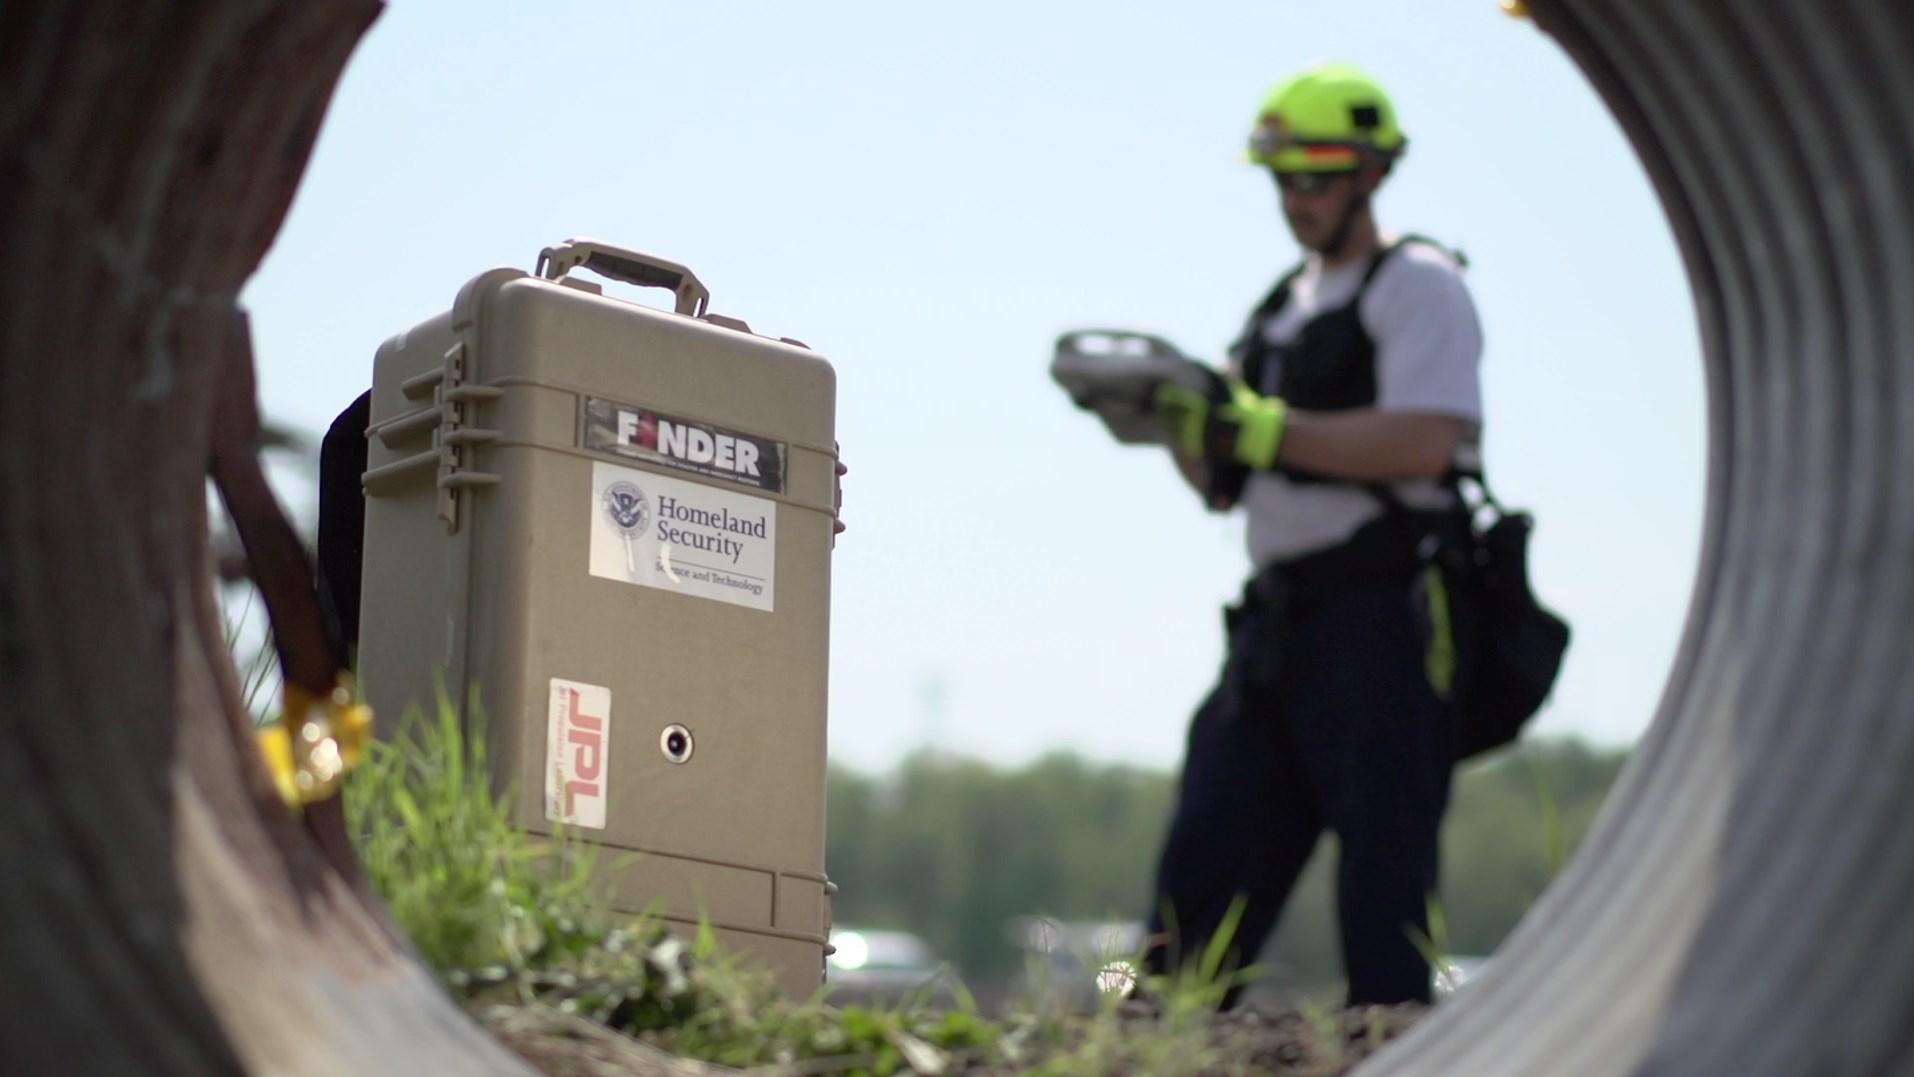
(1746, 904)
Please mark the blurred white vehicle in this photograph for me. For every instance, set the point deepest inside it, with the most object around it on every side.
(885, 968)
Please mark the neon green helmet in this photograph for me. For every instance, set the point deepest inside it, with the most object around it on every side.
(1323, 120)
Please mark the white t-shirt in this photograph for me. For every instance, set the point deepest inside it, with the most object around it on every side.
(1428, 356)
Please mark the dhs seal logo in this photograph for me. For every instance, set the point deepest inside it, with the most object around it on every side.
(627, 508)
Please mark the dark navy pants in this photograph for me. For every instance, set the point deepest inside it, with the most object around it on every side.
(1324, 719)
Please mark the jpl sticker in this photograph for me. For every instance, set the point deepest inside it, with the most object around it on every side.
(578, 753)
(699, 540)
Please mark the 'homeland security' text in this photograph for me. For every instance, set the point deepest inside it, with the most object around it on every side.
(669, 508)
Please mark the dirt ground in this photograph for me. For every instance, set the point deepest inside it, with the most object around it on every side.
(1254, 1040)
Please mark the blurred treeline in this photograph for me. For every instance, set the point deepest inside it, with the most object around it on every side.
(952, 849)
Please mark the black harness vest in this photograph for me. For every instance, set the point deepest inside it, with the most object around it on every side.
(1330, 365)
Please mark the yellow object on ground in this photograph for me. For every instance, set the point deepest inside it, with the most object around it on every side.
(315, 742)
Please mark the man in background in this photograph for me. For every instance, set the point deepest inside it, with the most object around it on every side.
(1352, 396)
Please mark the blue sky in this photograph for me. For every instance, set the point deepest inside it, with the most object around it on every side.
(928, 196)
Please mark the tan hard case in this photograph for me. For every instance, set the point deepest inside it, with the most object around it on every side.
(486, 478)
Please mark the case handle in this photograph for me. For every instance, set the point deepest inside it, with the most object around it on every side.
(624, 264)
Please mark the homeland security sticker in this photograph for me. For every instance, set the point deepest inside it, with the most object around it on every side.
(698, 540)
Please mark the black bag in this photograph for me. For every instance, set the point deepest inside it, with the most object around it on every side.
(1519, 642)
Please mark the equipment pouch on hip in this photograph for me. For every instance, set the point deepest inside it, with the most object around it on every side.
(1521, 644)
(1258, 630)
(1515, 646)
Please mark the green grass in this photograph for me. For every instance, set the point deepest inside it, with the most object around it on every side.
(478, 896)
(509, 918)
(259, 666)
(502, 915)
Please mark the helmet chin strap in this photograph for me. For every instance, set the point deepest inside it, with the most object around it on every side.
(1338, 239)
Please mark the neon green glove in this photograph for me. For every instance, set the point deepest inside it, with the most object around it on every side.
(1231, 424)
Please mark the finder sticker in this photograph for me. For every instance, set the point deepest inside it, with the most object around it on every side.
(578, 753)
(656, 531)
(667, 441)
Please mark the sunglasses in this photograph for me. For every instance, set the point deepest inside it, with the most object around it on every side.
(1308, 182)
